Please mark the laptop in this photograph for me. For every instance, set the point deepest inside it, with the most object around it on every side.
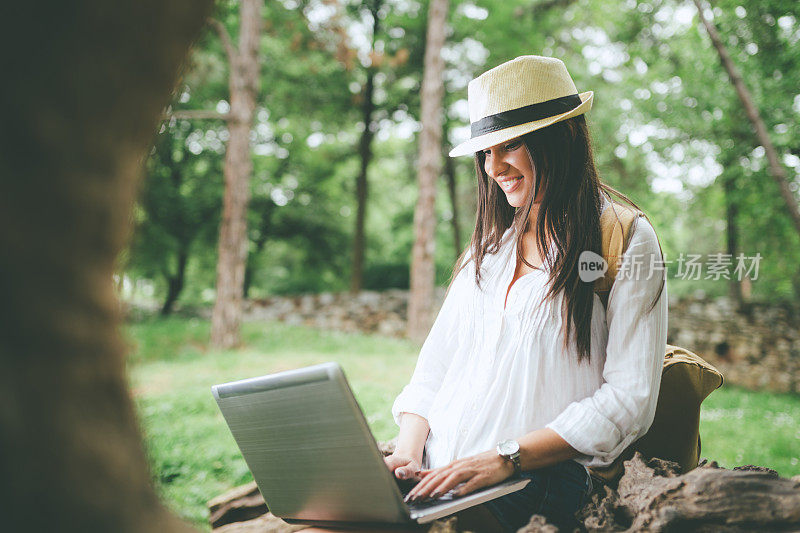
(314, 459)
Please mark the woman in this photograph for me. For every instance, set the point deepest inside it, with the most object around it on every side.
(524, 370)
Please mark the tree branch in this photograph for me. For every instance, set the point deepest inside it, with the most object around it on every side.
(227, 43)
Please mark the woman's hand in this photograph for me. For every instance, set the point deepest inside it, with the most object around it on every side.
(403, 466)
(478, 471)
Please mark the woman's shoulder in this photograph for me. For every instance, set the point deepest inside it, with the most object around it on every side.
(642, 230)
(643, 233)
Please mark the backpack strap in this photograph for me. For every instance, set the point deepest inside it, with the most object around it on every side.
(616, 223)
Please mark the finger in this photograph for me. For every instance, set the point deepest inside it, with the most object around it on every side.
(471, 485)
(451, 481)
(417, 491)
(405, 472)
(393, 462)
(431, 483)
(424, 487)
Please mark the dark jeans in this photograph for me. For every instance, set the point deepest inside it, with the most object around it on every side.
(556, 492)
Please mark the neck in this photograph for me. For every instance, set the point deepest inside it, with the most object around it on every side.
(530, 228)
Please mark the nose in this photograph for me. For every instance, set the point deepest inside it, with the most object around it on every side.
(495, 166)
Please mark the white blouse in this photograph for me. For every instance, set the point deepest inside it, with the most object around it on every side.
(487, 374)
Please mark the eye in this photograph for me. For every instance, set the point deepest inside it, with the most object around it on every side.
(510, 147)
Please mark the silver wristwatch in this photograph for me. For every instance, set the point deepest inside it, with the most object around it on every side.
(509, 450)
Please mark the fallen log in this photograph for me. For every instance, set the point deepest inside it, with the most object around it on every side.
(240, 504)
(653, 496)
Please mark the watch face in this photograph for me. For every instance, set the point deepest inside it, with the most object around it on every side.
(508, 447)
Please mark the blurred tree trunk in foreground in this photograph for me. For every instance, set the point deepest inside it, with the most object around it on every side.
(227, 315)
(85, 86)
(423, 270)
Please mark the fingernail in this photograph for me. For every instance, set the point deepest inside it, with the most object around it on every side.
(417, 472)
(435, 494)
(401, 474)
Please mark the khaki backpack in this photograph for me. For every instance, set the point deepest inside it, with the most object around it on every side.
(685, 382)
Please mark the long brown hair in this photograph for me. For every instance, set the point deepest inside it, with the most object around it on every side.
(569, 216)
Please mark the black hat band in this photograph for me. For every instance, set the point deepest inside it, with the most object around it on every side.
(522, 115)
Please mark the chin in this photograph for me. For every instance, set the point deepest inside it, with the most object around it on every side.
(515, 202)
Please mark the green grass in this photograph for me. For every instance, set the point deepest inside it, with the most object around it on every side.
(194, 458)
(739, 427)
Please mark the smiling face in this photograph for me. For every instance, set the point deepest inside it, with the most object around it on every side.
(510, 166)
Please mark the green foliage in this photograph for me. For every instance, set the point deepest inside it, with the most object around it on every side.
(668, 131)
(671, 78)
(179, 206)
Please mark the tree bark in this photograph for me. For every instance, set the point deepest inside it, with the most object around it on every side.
(420, 303)
(365, 152)
(232, 248)
(654, 497)
(776, 168)
(89, 82)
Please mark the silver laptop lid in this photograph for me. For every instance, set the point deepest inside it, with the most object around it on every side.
(309, 447)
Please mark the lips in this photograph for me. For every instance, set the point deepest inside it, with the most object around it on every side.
(509, 184)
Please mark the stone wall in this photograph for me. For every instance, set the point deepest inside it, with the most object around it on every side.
(757, 347)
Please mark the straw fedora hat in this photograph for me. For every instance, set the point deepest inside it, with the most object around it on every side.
(517, 97)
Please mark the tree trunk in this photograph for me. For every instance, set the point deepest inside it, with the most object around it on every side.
(88, 81)
(232, 249)
(776, 168)
(420, 303)
(731, 210)
(365, 153)
(175, 283)
(258, 247)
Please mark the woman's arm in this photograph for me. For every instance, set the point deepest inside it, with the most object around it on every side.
(410, 408)
(622, 410)
(432, 364)
(406, 460)
(537, 449)
(413, 434)
(543, 447)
